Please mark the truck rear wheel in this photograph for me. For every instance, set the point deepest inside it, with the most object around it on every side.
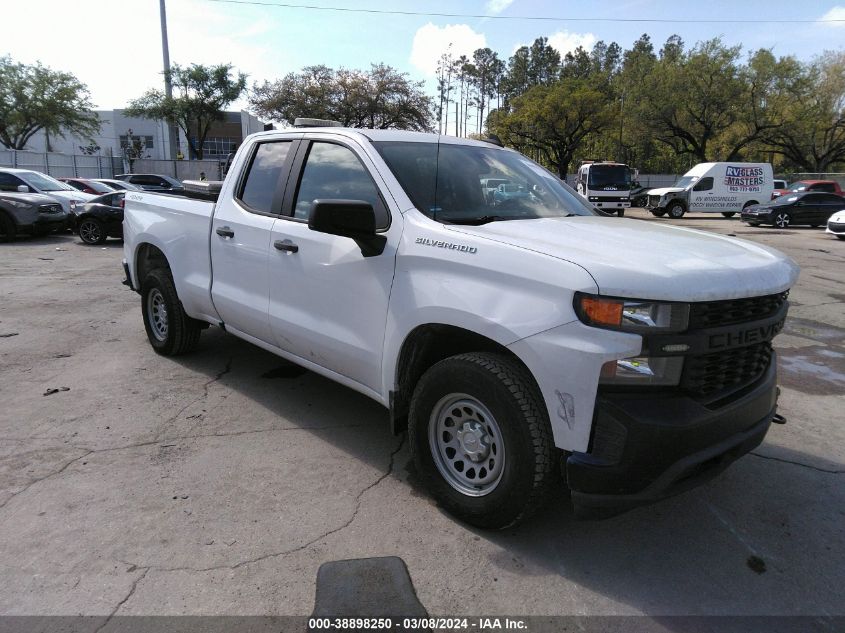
(728, 214)
(481, 439)
(170, 330)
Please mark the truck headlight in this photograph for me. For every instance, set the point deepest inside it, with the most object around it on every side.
(593, 198)
(643, 370)
(631, 315)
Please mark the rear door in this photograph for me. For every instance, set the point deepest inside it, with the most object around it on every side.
(328, 302)
(240, 238)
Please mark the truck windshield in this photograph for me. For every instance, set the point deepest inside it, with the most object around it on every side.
(447, 182)
(685, 181)
(617, 176)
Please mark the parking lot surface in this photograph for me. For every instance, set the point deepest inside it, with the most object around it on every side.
(219, 482)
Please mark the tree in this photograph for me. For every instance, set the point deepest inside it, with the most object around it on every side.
(554, 120)
(695, 97)
(34, 98)
(200, 94)
(379, 98)
(812, 137)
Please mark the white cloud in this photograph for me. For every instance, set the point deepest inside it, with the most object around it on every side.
(431, 41)
(497, 6)
(836, 13)
(127, 60)
(566, 42)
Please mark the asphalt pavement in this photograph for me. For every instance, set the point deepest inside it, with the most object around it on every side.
(219, 482)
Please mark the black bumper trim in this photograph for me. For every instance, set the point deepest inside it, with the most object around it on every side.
(127, 281)
(685, 474)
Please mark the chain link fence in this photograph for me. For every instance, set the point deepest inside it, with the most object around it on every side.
(85, 166)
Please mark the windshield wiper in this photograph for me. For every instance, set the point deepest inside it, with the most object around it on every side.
(484, 219)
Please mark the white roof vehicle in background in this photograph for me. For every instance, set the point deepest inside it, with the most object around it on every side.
(725, 188)
(507, 337)
(28, 181)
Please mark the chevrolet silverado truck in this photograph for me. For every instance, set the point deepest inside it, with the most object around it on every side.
(516, 343)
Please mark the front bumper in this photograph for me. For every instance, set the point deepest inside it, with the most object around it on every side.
(759, 218)
(647, 447)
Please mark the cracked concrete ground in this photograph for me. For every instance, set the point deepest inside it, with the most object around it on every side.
(217, 483)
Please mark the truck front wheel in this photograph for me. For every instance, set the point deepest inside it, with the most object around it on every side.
(481, 439)
(169, 329)
(676, 210)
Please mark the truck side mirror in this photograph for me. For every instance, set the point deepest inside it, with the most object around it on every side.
(23, 189)
(355, 219)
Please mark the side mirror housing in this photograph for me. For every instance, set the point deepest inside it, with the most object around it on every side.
(355, 219)
(23, 189)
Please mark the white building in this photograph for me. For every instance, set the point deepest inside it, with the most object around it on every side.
(115, 129)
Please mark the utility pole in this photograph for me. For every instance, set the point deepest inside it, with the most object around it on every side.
(172, 130)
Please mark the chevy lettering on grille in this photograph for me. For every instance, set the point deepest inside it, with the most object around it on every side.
(462, 248)
(745, 337)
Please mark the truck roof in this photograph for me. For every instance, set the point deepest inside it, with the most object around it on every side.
(378, 135)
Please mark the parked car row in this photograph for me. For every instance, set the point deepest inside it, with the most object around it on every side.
(36, 204)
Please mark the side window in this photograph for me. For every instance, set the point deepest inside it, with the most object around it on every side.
(826, 186)
(263, 175)
(8, 182)
(334, 172)
(705, 184)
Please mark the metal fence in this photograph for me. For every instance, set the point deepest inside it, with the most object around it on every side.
(84, 166)
(180, 169)
(59, 165)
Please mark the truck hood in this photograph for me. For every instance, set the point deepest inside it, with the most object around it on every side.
(662, 191)
(647, 260)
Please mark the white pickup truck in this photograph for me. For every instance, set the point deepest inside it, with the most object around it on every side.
(515, 341)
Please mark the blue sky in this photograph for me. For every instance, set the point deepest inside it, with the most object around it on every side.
(114, 45)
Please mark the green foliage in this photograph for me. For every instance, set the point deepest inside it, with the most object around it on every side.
(379, 98)
(34, 98)
(665, 111)
(554, 120)
(200, 95)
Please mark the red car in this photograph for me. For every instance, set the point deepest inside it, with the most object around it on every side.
(802, 186)
(88, 186)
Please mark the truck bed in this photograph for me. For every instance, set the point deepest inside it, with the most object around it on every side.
(149, 218)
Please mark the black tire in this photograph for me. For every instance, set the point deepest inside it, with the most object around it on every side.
(676, 210)
(753, 223)
(507, 392)
(728, 214)
(783, 220)
(658, 214)
(621, 212)
(91, 231)
(8, 230)
(840, 237)
(179, 333)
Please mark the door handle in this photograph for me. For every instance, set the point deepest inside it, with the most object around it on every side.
(286, 245)
(225, 231)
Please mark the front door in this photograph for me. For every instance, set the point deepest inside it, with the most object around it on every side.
(328, 302)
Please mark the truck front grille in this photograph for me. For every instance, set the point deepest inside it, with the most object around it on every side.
(710, 374)
(653, 201)
(718, 313)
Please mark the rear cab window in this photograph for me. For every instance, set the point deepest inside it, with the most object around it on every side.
(262, 185)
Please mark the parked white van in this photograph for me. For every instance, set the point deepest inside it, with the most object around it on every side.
(725, 188)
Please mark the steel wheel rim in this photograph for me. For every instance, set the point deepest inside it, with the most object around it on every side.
(676, 211)
(467, 444)
(782, 220)
(157, 314)
(89, 231)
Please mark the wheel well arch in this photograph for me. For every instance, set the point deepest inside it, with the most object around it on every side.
(426, 345)
(148, 257)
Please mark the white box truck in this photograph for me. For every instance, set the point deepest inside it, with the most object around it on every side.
(725, 188)
(606, 185)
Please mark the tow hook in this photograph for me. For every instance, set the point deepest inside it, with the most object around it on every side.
(778, 419)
